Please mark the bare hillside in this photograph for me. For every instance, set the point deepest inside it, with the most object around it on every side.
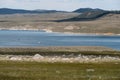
(108, 24)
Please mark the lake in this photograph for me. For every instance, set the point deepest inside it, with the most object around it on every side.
(14, 38)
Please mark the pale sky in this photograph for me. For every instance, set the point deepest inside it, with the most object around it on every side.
(65, 5)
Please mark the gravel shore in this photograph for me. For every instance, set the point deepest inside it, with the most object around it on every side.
(63, 58)
(71, 54)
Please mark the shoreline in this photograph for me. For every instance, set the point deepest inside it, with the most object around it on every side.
(58, 48)
(60, 54)
(69, 33)
(81, 54)
(63, 58)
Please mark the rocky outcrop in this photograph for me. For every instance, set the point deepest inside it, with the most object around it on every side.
(37, 57)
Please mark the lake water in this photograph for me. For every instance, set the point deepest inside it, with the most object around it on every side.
(40, 38)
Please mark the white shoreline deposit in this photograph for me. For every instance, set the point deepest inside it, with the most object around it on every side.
(63, 58)
(51, 31)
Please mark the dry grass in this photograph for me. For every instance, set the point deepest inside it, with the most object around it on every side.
(76, 50)
(106, 24)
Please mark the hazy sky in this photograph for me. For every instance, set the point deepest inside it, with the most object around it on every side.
(68, 5)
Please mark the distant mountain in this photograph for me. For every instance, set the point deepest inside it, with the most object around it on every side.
(89, 15)
(82, 10)
(42, 10)
(21, 11)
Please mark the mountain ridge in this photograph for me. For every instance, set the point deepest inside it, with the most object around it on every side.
(83, 10)
(23, 11)
(88, 14)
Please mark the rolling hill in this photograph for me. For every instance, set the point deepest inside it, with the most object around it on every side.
(97, 22)
(21, 11)
(88, 14)
(83, 10)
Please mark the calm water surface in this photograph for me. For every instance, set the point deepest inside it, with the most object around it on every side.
(40, 38)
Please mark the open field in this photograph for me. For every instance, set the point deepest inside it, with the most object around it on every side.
(58, 71)
(108, 24)
(107, 67)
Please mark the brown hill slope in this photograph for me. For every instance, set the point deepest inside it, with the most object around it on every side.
(109, 23)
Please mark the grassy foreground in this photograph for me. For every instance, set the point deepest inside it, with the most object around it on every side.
(58, 71)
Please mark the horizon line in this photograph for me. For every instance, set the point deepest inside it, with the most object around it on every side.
(56, 9)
